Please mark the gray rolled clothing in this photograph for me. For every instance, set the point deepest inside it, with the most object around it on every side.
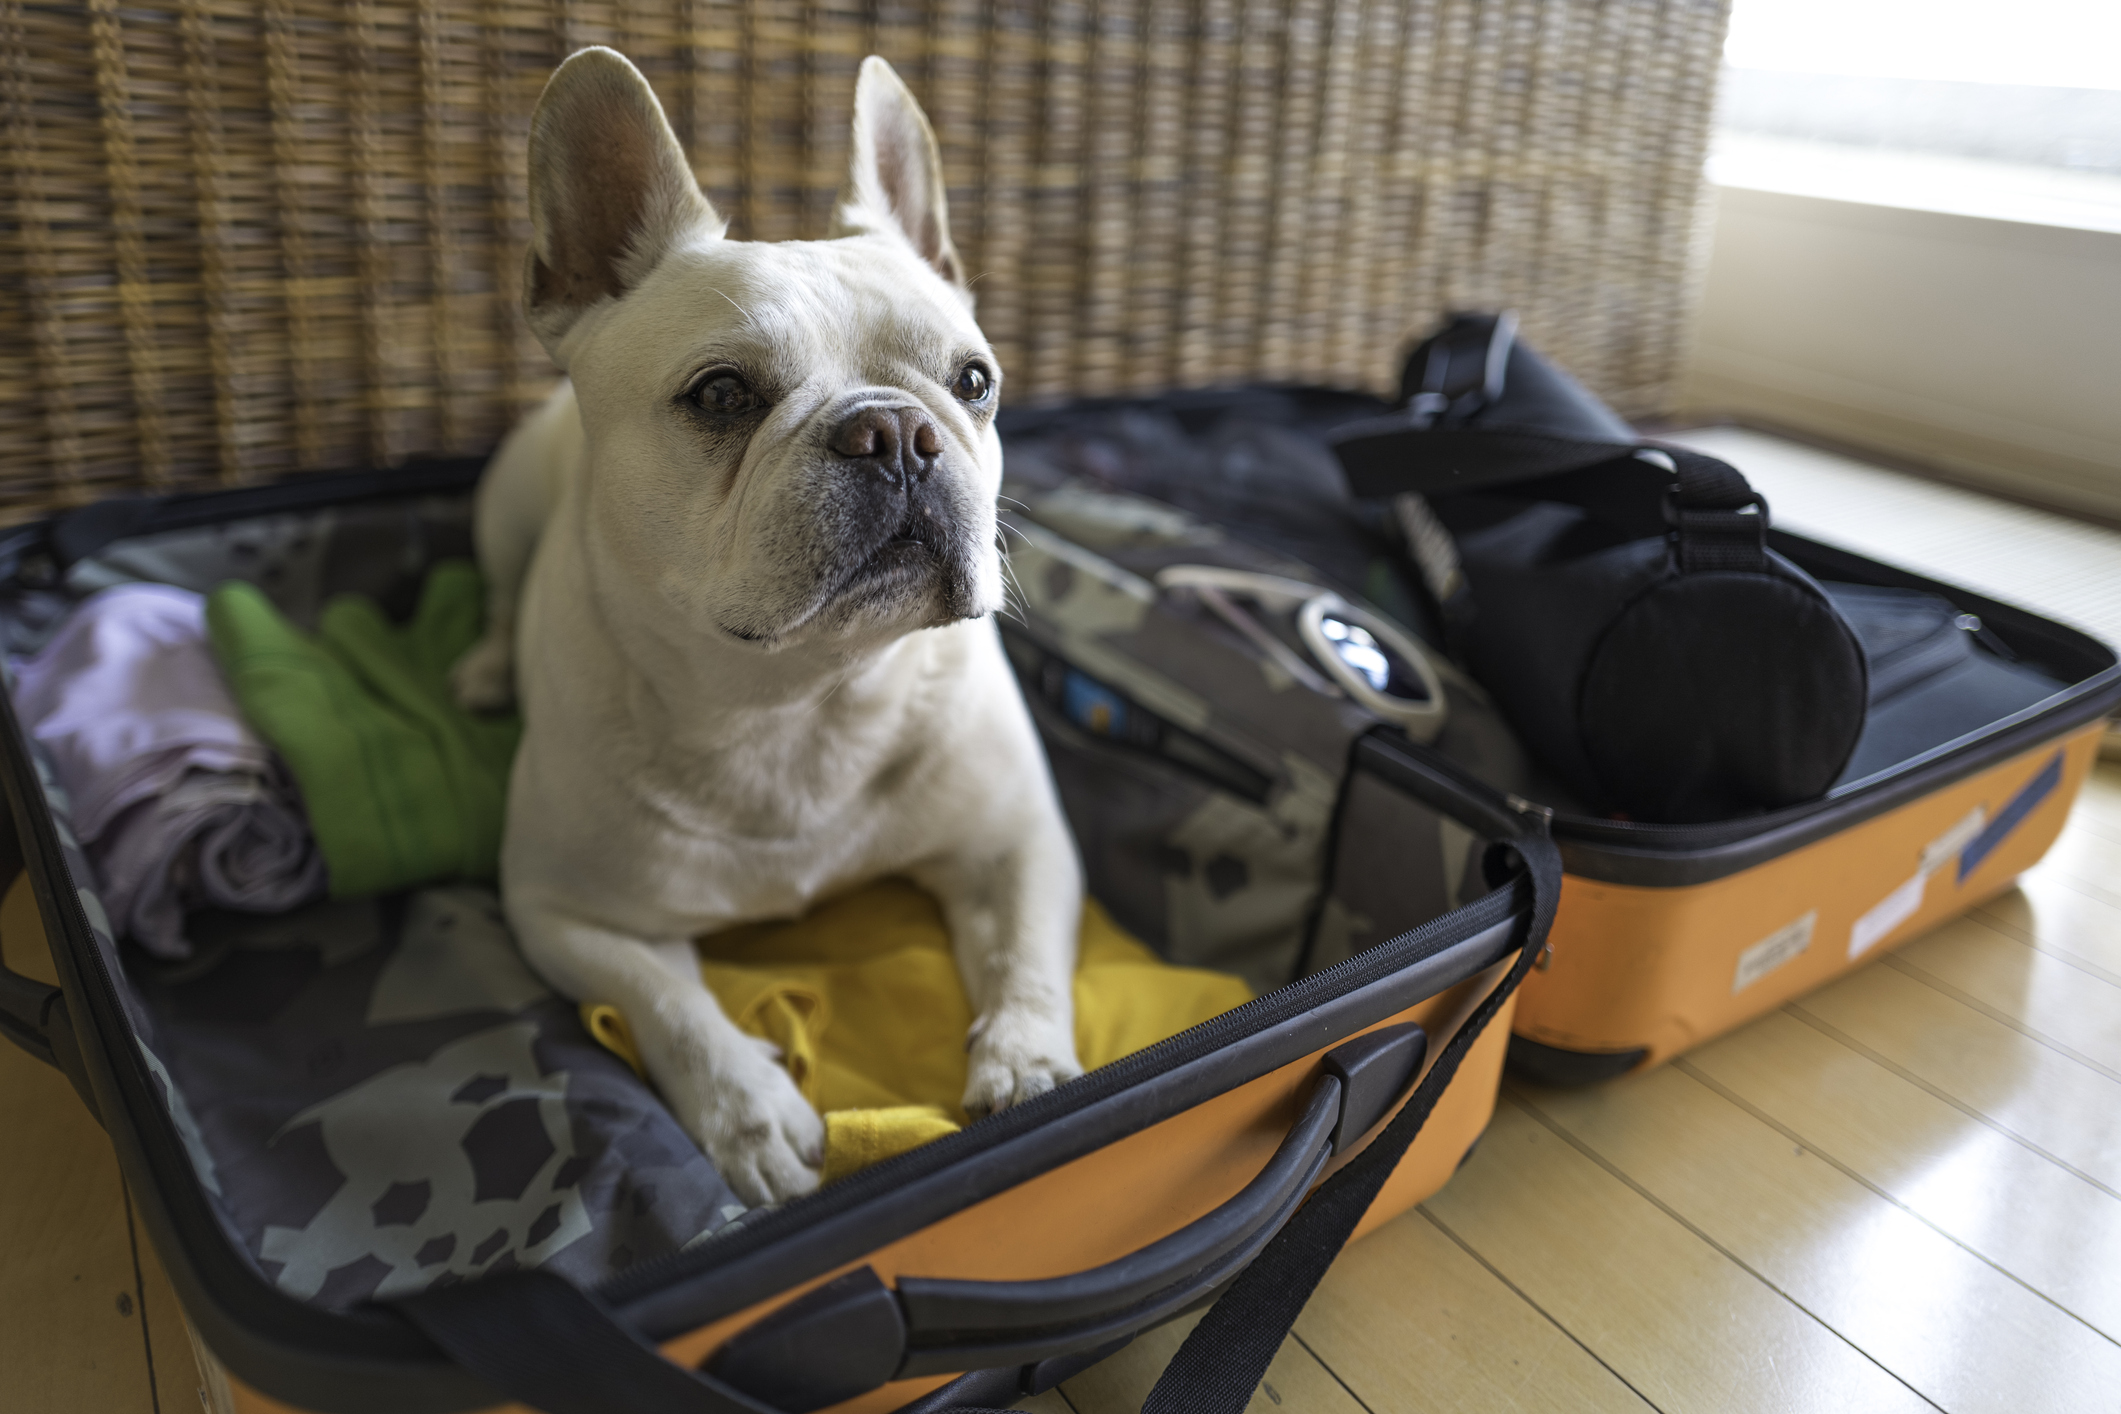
(216, 839)
(177, 802)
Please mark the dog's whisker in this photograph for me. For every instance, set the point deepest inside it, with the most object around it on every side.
(1011, 585)
(837, 684)
(737, 307)
(1014, 599)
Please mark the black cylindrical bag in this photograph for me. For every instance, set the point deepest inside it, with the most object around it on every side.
(1617, 598)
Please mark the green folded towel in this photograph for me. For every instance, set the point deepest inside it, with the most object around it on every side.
(403, 787)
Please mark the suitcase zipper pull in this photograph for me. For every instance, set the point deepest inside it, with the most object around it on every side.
(1545, 815)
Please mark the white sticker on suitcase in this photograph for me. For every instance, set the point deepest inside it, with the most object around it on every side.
(1939, 851)
(1898, 907)
(1782, 945)
(1903, 903)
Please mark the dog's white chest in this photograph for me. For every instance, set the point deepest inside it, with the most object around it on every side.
(683, 823)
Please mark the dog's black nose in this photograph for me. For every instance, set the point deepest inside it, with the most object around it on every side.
(901, 444)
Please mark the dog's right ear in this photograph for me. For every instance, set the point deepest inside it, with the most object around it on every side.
(610, 193)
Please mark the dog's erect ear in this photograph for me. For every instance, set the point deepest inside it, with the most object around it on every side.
(895, 181)
(610, 193)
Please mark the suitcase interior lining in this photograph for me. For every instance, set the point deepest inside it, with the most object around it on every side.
(377, 1094)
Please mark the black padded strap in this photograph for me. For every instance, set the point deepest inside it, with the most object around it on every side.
(1480, 409)
(1226, 1356)
(1460, 371)
(546, 1343)
(1718, 520)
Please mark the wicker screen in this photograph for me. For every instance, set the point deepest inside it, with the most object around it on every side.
(248, 237)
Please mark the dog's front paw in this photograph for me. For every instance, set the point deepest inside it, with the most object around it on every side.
(484, 679)
(756, 1127)
(1016, 1056)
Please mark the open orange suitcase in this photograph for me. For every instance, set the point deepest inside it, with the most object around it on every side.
(997, 1261)
(970, 1271)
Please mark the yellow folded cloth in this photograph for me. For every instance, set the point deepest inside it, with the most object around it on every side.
(863, 998)
(855, 1139)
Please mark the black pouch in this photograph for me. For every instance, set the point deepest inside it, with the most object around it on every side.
(1618, 599)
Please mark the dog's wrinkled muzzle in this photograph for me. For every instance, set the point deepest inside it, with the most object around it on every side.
(902, 533)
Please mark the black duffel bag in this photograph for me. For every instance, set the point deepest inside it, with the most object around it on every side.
(1618, 599)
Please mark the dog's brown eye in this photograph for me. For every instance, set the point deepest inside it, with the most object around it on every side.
(972, 384)
(726, 395)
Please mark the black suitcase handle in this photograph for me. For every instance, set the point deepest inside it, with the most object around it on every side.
(855, 1332)
(542, 1341)
(26, 1006)
(25, 1003)
(33, 1014)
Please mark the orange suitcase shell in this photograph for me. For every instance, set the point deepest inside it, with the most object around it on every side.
(1641, 973)
(1669, 936)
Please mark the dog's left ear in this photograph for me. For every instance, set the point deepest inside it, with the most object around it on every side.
(895, 181)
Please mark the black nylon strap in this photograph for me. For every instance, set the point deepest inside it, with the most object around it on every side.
(546, 1343)
(1720, 521)
(1227, 1354)
(1709, 482)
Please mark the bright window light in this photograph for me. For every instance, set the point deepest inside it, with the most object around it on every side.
(2035, 43)
(2010, 111)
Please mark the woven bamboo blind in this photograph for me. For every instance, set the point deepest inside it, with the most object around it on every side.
(248, 237)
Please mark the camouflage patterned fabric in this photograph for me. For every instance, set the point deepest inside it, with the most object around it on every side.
(384, 1096)
(378, 1094)
(1292, 863)
(1234, 864)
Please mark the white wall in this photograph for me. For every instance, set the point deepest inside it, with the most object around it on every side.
(1988, 348)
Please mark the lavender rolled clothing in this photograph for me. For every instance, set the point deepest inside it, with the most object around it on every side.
(177, 802)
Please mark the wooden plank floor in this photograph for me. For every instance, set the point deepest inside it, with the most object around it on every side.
(1900, 1193)
(88, 1322)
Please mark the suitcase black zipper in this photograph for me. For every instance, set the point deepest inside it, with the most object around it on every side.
(1670, 856)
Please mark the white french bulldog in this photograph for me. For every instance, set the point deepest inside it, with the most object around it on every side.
(741, 574)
